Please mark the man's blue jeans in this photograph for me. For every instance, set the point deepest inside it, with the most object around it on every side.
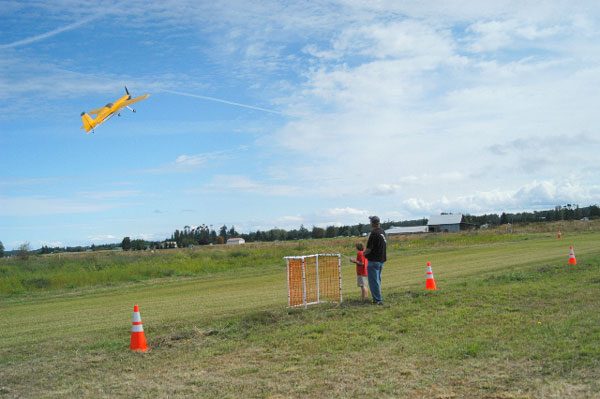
(374, 271)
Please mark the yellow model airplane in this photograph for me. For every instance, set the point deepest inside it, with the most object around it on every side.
(105, 113)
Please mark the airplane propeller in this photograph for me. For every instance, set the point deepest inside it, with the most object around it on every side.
(128, 107)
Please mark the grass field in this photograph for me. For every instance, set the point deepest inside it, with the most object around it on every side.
(511, 320)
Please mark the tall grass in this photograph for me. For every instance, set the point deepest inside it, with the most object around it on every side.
(106, 268)
(511, 319)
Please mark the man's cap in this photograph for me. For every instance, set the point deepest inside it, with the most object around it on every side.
(374, 219)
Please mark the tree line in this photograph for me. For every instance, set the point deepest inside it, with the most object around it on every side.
(560, 212)
(206, 235)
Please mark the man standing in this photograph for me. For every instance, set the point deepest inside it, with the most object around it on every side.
(376, 254)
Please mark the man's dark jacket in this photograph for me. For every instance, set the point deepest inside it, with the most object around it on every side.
(377, 245)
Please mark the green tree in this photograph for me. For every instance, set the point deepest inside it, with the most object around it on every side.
(203, 235)
(569, 212)
(1, 250)
(363, 228)
(331, 231)
(318, 232)
(578, 212)
(303, 232)
(344, 231)
(232, 232)
(126, 244)
(139, 245)
(276, 235)
(23, 251)
(223, 232)
(293, 235)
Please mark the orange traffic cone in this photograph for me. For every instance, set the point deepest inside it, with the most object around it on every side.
(572, 259)
(138, 339)
(430, 282)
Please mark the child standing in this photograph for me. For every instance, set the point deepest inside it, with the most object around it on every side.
(361, 270)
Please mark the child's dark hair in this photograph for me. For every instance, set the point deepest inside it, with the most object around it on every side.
(360, 246)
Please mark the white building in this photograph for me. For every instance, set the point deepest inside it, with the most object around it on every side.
(235, 241)
(406, 230)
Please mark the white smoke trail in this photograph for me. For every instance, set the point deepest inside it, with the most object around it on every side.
(179, 93)
(46, 35)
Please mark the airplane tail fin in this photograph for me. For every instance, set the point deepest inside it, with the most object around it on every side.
(88, 122)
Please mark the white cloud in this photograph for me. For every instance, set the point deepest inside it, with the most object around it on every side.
(147, 236)
(347, 211)
(29, 182)
(386, 189)
(190, 160)
(104, 195)
(497, 34)
(403, 110)
(533, 195)
(41, 205)
(290, 219)
(102, 238)
(52, 244)
(244, 184)
(394, 40)
(188, 163)
(237, 183)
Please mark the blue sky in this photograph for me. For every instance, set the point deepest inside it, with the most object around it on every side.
(275, 113)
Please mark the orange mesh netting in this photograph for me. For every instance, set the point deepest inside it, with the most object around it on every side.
(323, 285)
(329, 278)
(295, 282)
(312, 291)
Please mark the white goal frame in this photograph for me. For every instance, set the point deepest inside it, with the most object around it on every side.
(318, 291)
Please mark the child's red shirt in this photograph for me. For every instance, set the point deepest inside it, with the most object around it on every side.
(361, 270)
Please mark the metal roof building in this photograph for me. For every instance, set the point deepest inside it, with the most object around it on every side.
(406, 230)
(448, 223)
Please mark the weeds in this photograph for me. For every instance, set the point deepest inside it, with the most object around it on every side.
(494, 329)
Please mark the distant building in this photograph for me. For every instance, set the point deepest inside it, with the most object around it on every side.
(235, 241)
(406, 230)
(448, 223)
(168, 244)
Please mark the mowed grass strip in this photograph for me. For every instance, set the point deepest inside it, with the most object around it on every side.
(100, 311)
(522, 324)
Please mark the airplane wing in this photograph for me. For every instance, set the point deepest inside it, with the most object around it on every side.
(96, 111)
(135, 100)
